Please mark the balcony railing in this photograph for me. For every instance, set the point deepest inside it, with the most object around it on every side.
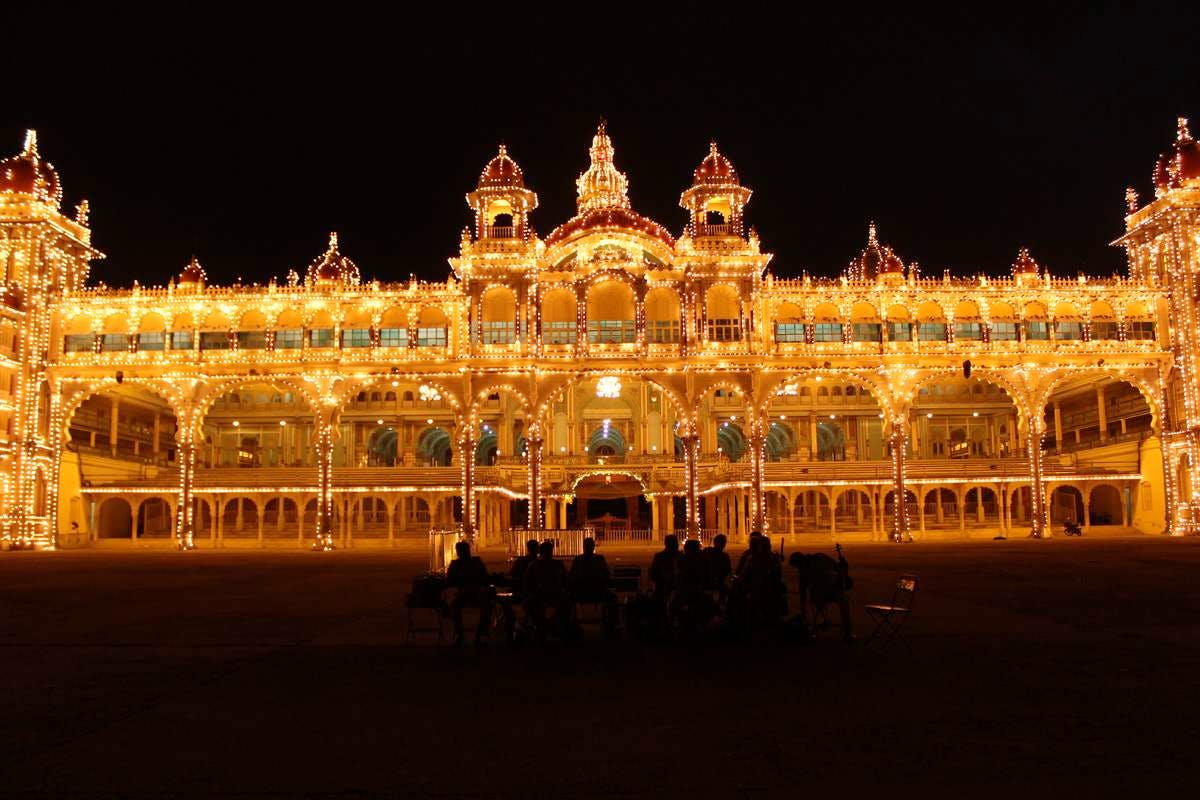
(501, 231)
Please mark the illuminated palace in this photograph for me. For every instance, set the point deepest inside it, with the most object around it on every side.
(608, 375)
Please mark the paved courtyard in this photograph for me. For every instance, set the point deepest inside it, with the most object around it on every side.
(1042, 667)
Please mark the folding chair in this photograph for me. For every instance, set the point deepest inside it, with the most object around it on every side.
(890, 619)
(626, 582)
(426, 608)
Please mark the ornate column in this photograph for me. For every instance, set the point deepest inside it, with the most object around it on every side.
(1034, 430)
(324, 436)
(758, 459)
(899, 443)
(466, 460)
(533, 458)
(185, 453)
(691, 479)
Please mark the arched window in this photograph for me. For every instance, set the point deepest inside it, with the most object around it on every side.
(611, 311)
(723, 308)
(498, 322)
(558, 317)
(432, 328)
(662, 315)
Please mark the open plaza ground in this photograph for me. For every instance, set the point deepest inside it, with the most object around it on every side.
(1043, 667)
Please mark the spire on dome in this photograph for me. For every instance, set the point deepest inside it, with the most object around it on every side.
(602, 185)
(1025, 264)
(28, 174)
(1182, 134)
(875, 260)
(333, 266)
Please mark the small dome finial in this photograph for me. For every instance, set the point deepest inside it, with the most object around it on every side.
(712, 147)
(503, 149)
(31, 148)
(333, 241)
(1131, 199)
(1182, 133)
(872, 237)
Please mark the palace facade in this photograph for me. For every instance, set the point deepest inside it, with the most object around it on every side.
(610, 374)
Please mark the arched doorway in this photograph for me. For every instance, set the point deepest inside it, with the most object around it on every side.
(610, 503)
(114, 519)
(261, 426)
(124, 433)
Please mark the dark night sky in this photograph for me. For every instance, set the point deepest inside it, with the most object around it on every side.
(963, 136)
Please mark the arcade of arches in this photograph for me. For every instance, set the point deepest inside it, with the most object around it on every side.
(612, 458)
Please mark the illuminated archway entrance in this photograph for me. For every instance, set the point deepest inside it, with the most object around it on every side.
(609, 503)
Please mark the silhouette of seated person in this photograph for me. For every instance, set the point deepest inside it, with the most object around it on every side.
(662, 569)
(720, 568)
(821, 581)
(588, 583)
(762, 581)
(468, 576)
(691, 602)
(516, 577)
(744, 558)
(546, 588)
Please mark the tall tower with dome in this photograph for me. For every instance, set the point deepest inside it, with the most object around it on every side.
(45, 254)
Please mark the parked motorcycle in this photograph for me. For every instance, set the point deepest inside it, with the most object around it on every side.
(1072, 529)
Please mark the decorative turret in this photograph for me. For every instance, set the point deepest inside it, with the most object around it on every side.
(601, 185)
(1025, 269)
(604, 200)
(500, 201)
(332, 267)
(192, 278)
(1181, 165)
(27, 176)
(715, 199)
(876, 261)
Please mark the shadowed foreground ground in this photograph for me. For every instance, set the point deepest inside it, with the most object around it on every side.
(1042, 667)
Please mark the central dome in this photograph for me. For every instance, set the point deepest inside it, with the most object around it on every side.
(604, 199)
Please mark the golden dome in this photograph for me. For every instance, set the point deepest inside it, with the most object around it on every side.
(193, 273)
(26, 173)
(333, 266)
(1025, 265)
(874, 260)
(714, 170)
(502, 172)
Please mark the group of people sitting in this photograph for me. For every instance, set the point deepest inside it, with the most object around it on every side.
(693, 590)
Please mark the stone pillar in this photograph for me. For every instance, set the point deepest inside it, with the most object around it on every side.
(1058, 431)
(899, 440)
(812, 437)
(1037, 493)
(324, 435)
(185, 522)
(112, 425)
(533, 457)
(654, 520)
(155, 446)
(691, 479)
(1102, 413)
(562, 514)
(466, 456)
(758, 458)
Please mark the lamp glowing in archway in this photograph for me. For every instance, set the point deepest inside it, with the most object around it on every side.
(608, 386)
